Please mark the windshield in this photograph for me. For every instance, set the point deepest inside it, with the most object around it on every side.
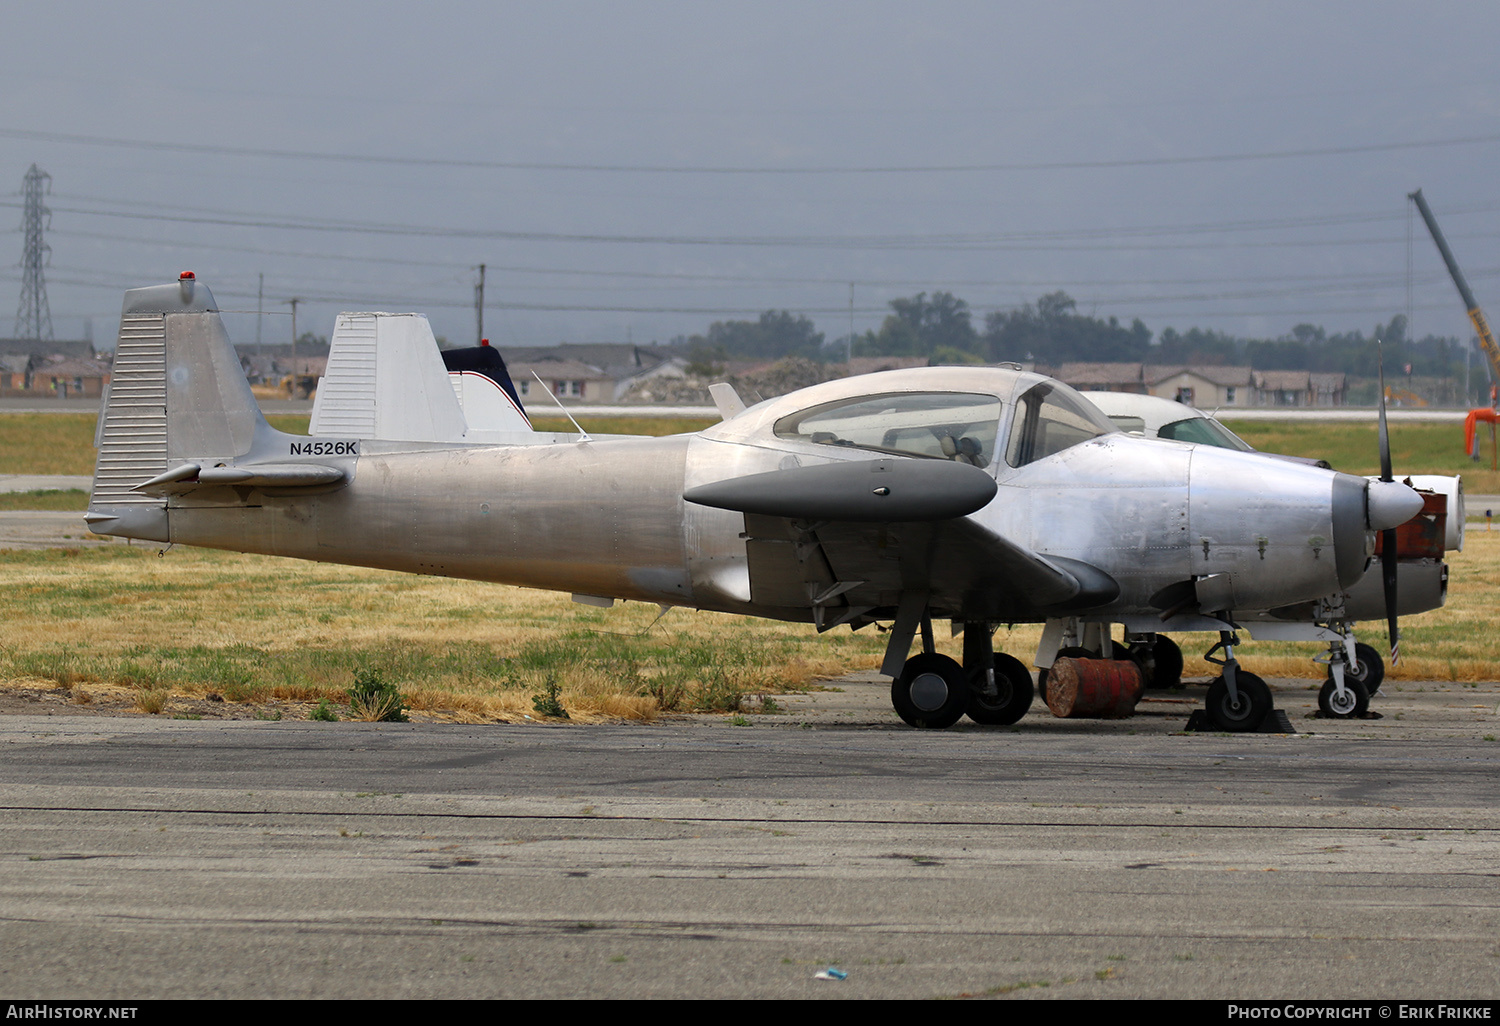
(955, 426)
(1048, 420)
(1204, 431)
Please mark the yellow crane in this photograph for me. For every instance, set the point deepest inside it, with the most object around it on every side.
(1476, 317)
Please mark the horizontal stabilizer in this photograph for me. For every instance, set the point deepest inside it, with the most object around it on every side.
(868, 491)
(263, 475)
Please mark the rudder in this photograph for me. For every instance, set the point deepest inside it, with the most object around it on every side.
(177, 391)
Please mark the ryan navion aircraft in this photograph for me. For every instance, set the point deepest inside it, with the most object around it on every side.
(978, 495)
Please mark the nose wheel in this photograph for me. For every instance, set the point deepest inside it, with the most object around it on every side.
(1238, 701)
(1243, 709)
(1348, 703)
(1355, 670)
(1368, 668)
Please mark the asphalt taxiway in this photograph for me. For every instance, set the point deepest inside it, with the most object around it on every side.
(148, 857)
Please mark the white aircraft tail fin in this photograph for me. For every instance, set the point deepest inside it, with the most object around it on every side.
(385, 379)
(177, 391)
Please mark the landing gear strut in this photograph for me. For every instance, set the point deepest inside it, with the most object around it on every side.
(1351, 668)
(932, 691)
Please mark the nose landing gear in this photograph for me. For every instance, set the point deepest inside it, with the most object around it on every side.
(1352, 667)
(1238, 700)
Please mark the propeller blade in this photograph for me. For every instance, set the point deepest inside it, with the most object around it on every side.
(1385, 434)
(1388, 566)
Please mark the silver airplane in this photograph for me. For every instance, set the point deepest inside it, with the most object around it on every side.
(1355, 669)
(977, 495)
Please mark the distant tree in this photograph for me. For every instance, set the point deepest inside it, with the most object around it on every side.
(704, 360)
(1051, 331)
(1308, 334)
(308, 343)
(1197, 347)
(922, 326)
(776, 334)
(1276, 354)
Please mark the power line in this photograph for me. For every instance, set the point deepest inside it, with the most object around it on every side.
(926, 281)
(210, 149)
(966, 242)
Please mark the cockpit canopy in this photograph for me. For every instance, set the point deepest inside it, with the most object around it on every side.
(1050, 418)
(959, 426)
(939, 425)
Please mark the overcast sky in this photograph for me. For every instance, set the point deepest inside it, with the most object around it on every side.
(635, 170)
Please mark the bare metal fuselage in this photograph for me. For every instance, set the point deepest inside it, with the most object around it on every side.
(1109, 526)
(607, 518)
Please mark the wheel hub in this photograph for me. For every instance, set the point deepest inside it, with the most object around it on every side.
(929, 691)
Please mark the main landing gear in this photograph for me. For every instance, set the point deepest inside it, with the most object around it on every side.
(933, 691)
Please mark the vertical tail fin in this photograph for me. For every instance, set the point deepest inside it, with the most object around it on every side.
(386, 380)
(177, 393)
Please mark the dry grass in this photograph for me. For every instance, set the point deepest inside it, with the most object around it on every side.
(374, 709)
(118, 623)
(201, 623)
(152, 700)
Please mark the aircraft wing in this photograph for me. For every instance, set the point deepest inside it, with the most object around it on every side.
(849, 539)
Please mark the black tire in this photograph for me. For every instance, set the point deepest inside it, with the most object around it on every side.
(1071, 653)
(1356, 702)
(1254, 705)
(1168, 657)
(1013, 682)
(931, 693)
(1368, 668)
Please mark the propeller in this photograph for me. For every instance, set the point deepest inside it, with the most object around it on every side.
(1388, 565)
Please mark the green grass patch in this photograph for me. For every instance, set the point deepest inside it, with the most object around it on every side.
(1355, 447)
(47, 443)
(643, 425)
(59, 499)
(291, 423)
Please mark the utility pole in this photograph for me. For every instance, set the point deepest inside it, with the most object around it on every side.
(479, 307)
(260, 307)
(849, 356)
(33, 316)
(293, 302)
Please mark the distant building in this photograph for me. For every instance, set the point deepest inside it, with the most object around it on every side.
(67, 378)
(589, 366)
(57, 368)
(1299, 388)
(568, 380)
(1104, 377)
(1209, 388)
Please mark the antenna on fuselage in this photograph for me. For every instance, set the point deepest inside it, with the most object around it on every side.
(584, 435)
